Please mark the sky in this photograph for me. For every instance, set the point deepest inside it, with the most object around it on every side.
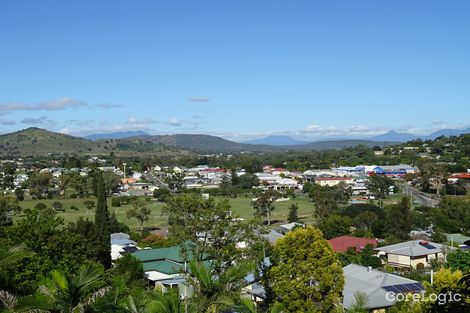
(236, 69)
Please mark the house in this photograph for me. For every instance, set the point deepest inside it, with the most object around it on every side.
(166, 267)
(273, 236)
(379, 287)
(288, 227)
(413, 254)
(121, 244)
(341, 244)
(333, 181)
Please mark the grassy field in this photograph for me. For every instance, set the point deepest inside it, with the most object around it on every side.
(240, 206)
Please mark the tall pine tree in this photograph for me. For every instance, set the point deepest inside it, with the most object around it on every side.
(102, 223)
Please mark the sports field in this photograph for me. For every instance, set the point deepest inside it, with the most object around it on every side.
(240, 206)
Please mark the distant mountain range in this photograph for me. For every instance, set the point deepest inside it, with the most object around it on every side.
(37, 141)
(117, 135)
(276, 140)
(394, 136)
(404, 137)
(391, 136)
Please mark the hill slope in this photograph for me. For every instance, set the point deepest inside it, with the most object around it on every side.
(206, 143)
(37, 141)
(117, 135)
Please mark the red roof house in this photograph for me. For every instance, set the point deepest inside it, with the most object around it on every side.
(341, 244)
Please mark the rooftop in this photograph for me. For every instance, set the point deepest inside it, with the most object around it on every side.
(375, 284)
(413, 248)
(341, 244)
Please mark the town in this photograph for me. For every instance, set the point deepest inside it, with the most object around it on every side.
(384, 230)
(234, 156)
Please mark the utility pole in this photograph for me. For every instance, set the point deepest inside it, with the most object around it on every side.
(124, 170)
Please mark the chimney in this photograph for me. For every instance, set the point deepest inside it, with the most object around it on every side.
(369, 269)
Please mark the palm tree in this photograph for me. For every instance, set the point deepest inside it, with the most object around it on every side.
(66, 293)
(245, 305)
(213, 292)
(360, 303)
(168, 302)
(12, 255)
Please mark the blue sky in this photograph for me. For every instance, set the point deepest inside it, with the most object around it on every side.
(239, 69)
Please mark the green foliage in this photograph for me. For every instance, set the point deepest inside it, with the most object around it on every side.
(8, 206)
(399, 219)
(335, 225)
(161, 194)
(90, 204)
(53, 247)
(131, 269)
(115, 202)
(459, 260)
(40, 206)
(155, 241)
(215, 231)
(175, 181)
(365, 220)
(438, 235)
(216, 293)
(66, 292)
(102, 223)
(365, 257)
(379, 185)
(19, 193)
(360, 304)
(140, 212)
(305, 275)
(327, 198)
(293, 213)
(38, 185)
(264, 204)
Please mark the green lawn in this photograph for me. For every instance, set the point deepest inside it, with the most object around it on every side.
(240, 206)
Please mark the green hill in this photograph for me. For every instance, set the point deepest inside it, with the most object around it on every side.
(206, 143)
(36, 141)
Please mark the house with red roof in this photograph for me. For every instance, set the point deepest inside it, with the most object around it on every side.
(341, 244)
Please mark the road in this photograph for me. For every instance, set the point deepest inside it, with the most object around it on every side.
(419, 196)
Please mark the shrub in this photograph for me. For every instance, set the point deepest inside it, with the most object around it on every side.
(115, 202)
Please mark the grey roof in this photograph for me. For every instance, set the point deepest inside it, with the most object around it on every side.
(359, 278)
(121, 239)
(457, 238)
(258, 291)
(272, 236)
(291, 225)
(414, 248)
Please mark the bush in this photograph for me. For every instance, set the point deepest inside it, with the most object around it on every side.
(115, 202)
(74, 208)
(161, 194)
(40, 206)
(73, 196)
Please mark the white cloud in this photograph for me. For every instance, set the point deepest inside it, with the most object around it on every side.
(7, 122)
(107, 106)
(43, 121)
(174, 122)
(198, 99)
(55, 105)
(60, 104)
